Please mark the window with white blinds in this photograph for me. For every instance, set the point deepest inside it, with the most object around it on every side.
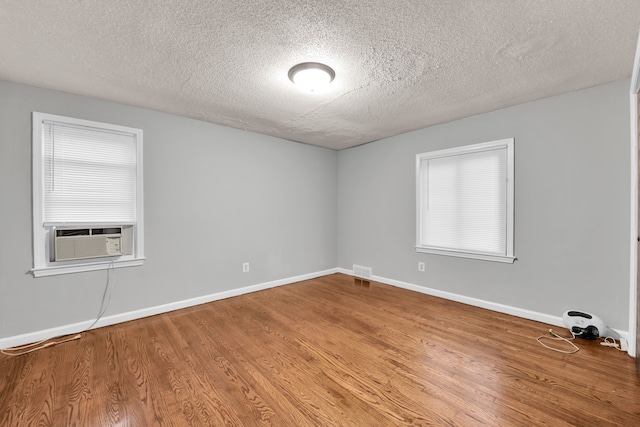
(465, 203)
(85, 174)
(89, 175)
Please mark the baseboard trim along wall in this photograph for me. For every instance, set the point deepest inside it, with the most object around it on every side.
(165, 308)
(151, 311)
(500, 308)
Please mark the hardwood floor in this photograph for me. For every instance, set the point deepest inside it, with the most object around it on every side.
(324, 352)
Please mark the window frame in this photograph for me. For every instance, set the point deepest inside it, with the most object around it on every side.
(508, 256)
(42, 235)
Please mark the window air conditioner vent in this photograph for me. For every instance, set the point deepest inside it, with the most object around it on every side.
(81, 243)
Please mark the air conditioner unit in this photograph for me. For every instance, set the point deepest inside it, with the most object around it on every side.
(82, 243)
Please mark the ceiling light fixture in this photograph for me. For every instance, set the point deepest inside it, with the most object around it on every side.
(311, 76)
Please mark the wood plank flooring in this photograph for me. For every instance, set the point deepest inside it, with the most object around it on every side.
(324, 352)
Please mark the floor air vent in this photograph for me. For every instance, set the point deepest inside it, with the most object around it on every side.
(361, 271)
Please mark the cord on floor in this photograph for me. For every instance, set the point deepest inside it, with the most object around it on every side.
(29, 348)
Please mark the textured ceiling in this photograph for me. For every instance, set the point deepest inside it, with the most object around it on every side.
(400, 65)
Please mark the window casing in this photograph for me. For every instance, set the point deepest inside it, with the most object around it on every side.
(465, 201)
(85, 174)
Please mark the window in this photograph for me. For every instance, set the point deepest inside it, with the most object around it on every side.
(465, 201)
(86, 175)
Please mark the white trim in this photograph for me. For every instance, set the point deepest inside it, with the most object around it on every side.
(472, 255)
(79, 268)
(500, 308)
(74, 328)
(635, 72)
(633, 251)
(41, 265)
(165, 308)
(509, 145)
(39, 240)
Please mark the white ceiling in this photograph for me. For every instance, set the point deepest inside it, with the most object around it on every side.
(400, 65)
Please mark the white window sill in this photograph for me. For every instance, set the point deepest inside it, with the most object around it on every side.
(79, 268)
(459, 254)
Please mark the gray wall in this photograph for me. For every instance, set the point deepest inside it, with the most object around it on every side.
(572, 206)
(215, 197)
(292, 209)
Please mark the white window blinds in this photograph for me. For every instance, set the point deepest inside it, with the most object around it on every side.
(89, 174)
(465, 201)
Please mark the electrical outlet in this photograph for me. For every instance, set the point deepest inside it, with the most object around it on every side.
(421, 266)
(245, 267)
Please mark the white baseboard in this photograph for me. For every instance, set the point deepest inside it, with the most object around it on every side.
(150, 311)
(500, 308)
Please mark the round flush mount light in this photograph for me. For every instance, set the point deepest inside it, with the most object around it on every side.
(311, 76)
